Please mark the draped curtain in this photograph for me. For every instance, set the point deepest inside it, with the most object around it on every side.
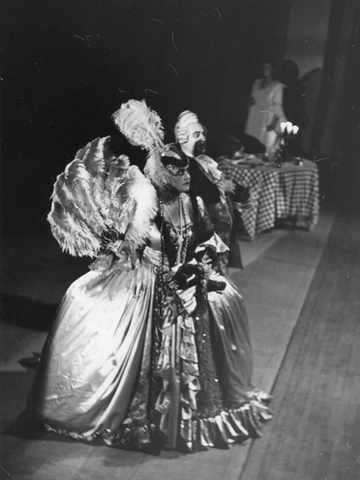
(337, 122)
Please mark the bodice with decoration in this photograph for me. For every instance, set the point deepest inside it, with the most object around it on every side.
(192, 228)
(179, 231)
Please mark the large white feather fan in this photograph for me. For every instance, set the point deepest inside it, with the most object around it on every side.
(98, 199)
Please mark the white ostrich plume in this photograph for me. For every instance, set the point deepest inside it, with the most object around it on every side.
(141, 125)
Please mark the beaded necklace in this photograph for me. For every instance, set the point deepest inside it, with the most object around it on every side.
(182, 232)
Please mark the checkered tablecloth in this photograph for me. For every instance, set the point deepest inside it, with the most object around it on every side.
(297, 195)
(289, 191)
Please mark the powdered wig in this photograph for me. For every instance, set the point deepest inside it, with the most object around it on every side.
(181, 129)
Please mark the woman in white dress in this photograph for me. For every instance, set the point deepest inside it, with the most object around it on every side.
(265, 109)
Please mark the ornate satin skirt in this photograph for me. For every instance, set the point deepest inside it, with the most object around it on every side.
(231, 340)
(207, 398)
(122, 366)
(91, 359)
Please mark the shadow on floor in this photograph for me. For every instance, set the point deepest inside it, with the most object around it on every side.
(27, 313)
(25, 427)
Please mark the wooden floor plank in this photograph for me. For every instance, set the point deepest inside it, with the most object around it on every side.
(274, 296)
(315, 431)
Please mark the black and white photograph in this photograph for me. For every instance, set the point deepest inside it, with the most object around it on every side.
(179, 231)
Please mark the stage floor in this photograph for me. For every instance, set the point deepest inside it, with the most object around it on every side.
(279, 270)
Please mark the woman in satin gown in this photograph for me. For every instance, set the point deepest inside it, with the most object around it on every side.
(151, 347)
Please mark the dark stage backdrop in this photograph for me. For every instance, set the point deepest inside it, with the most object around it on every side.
(67, 65)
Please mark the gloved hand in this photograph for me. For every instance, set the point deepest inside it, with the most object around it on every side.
(187, 275)
(188, 299)
(215, 285)
(206, 258)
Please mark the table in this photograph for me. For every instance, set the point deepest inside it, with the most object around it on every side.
(288, 190)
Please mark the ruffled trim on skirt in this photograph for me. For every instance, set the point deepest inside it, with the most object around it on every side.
(180, 424)
(221, 431)
(129, 434)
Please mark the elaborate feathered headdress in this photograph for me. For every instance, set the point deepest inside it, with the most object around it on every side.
(155, 168)
(142, 126)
